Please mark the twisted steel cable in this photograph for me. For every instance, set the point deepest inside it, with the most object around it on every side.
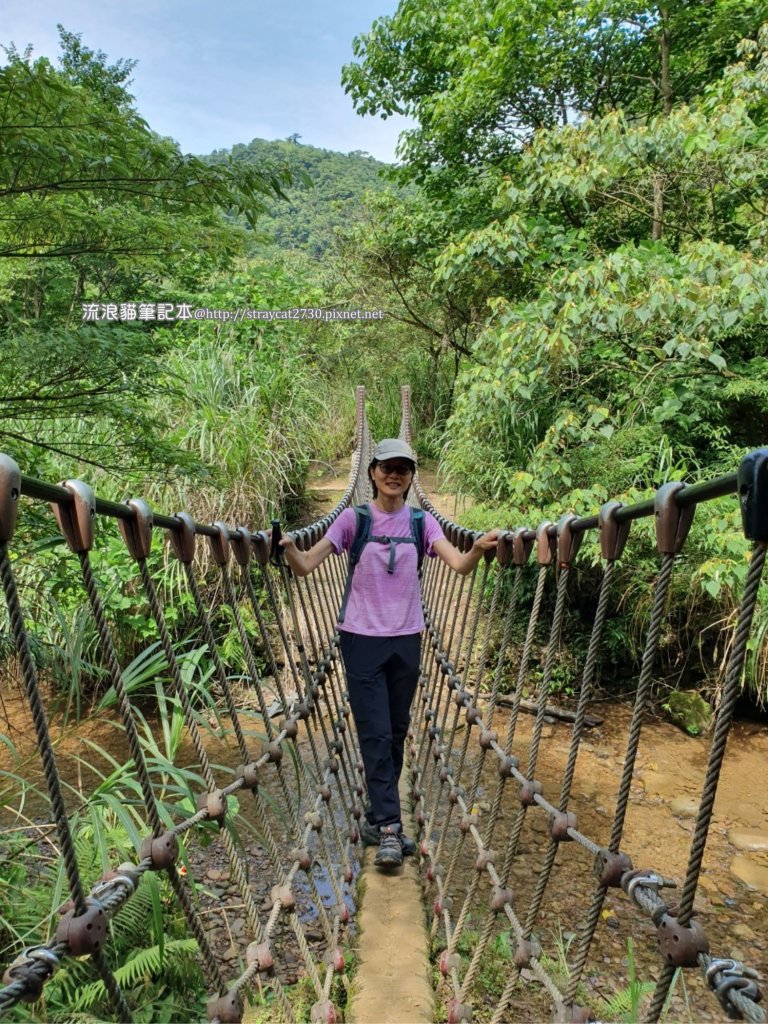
(717, 753)
(50, 769)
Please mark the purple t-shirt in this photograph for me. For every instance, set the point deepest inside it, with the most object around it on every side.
(381, 604)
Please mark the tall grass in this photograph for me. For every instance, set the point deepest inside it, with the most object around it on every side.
(251, 418)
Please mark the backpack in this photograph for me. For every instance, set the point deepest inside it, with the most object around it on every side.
(364, 525)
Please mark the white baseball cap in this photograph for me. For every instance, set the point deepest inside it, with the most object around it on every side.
(393, 448)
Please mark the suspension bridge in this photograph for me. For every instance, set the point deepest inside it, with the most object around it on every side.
(479, 794)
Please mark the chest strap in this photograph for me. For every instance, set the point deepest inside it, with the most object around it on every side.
(392, 541)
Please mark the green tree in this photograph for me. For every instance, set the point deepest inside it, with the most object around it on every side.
(95, 207)
(479, 78)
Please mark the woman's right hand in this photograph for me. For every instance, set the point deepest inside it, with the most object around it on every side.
(303, 562)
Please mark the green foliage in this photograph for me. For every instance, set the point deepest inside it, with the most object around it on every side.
(690, 711)
(324, 197)
(625, 1005)
(81, 172)
(479, 78)
(612, 287)
(149, 949)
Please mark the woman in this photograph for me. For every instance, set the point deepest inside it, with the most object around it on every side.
(381, 629)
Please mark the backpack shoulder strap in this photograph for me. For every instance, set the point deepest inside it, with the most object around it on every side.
(417, 532)
(363, 522)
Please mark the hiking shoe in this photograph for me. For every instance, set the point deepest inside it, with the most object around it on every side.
(390, 854)
(371, 837)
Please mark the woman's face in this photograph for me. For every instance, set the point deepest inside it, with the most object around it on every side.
(393, 477)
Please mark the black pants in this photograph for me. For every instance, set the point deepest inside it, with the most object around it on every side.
(382, 673)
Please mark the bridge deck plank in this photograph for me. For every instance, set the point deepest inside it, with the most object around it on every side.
(392, 981)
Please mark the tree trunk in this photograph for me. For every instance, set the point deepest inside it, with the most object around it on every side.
(666, 97)
(664, 44)
(658, 206)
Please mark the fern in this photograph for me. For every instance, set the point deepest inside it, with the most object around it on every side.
(625, 1004)
(143, 967)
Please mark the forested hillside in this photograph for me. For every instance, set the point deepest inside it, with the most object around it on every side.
(326, 192)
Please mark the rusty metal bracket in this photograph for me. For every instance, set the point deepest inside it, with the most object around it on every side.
(334, 957)
(83, 933)
(526, 950)
(137, 531)
(458, 1013)
(303, 857)
(183, 540)
(323, 1012)
(506, 765)
(499, 898)
(681, 944)
(522, 545)
(220, 543)
(162, 850)
(75, 518)
(259, 954)
(485, 859)
(561, 822)
(260, 543)
(215, 803)
(504, 549)
(448, 962)
(487, 738)
(546, 546)
(442, 903)
(274, 752)
(473, 714)
(613, 535)
(610, 867)
(528, 792)
(290, 726)
(672, 522)
(240, 542)
(315, 820)
(10, 489)
(568, 542)
(249, 773)
(574, 1013)
(283, 894)
(752, 480)
(276, 553)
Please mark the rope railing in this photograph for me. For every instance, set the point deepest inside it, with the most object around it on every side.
(446, 774)
(315, 728)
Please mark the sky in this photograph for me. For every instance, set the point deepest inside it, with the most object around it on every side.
(213, 73)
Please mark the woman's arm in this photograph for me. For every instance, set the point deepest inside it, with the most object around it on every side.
(463, 562)
(304, 562)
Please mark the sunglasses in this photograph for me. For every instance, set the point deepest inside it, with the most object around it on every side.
(400, 468)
